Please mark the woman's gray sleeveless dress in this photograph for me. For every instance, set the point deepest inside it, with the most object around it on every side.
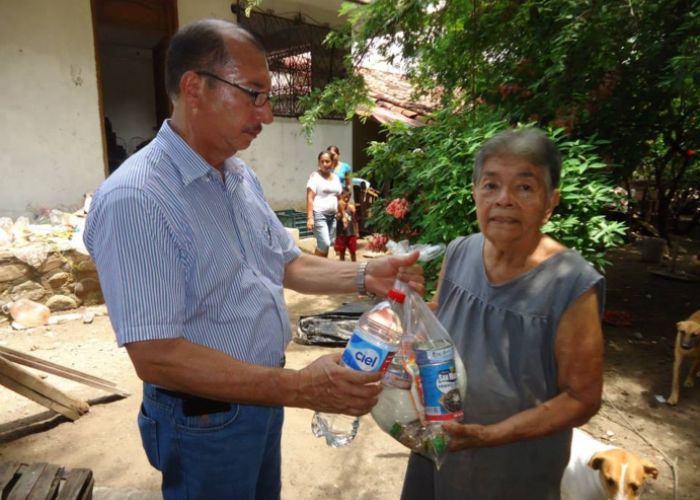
(505, 335)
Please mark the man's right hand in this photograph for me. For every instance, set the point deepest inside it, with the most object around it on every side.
(327, 386)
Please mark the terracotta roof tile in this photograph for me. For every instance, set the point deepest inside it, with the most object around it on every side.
(393, 96)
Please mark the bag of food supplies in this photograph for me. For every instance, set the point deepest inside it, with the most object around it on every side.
(425, 383)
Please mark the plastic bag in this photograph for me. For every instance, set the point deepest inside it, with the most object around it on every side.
(426, 382)
(427, 252)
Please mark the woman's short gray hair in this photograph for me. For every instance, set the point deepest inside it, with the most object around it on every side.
(529, 143)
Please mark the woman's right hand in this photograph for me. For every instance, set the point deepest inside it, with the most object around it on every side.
(310, 223)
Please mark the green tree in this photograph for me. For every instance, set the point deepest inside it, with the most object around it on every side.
(624, 71)
(431, 168)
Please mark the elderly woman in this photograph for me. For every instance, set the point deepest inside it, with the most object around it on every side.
(524, 313)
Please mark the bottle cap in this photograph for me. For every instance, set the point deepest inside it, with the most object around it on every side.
(396, 295)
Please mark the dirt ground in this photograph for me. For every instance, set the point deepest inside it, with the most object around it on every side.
(638, 368)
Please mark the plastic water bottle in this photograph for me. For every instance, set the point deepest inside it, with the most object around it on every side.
(371, 348)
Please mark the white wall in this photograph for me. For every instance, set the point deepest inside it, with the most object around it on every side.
(280, 156)
(50, 126)
(283, 160)
(51, 149)
(128, 93)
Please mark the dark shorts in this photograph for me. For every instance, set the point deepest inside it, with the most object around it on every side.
(343, 242)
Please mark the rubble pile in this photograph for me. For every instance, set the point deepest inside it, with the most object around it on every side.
(45, 261)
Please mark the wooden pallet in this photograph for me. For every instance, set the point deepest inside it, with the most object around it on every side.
(43, 481)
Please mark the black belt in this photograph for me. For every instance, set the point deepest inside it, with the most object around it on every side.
(194, 406)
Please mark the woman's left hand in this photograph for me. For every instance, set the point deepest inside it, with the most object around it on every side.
(463, 436)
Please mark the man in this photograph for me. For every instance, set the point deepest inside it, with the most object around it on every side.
(192, 262)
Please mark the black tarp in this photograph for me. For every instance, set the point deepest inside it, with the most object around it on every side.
(333, 328)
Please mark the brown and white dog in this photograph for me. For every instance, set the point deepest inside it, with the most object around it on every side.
(687, 346)
(597, 471)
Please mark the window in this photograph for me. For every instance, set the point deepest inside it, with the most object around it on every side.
(298, 60)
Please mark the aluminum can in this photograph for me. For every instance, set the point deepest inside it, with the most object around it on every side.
(436, 365)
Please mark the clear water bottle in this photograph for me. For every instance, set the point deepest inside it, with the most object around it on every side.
(371, 348)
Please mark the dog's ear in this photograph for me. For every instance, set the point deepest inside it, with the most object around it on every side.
(596, 461)
(649, 469)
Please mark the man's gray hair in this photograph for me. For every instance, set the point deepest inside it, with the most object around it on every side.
(200, 46)
(529, 143)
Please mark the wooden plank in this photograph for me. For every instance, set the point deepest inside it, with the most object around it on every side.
(78, 485)
(35, 396)
(43, 421)
(23, 382)
(7, 473)
(28, 477)
(62, 371)
(46, 485)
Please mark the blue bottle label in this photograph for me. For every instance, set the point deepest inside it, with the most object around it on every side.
(440, 393)
(362, 354)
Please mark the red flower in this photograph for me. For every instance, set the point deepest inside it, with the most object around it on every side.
(690, 152)
(398, 207)
(377, 242)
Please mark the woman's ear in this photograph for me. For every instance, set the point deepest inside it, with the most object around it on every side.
(553, 201)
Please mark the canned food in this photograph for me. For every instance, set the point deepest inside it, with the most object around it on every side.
(436, 364)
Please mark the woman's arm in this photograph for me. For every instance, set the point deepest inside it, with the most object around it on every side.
(579, 354)
(310, 195)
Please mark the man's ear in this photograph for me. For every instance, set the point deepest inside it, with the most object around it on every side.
(191, 85)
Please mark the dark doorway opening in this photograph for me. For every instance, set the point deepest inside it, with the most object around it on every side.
(131, 37)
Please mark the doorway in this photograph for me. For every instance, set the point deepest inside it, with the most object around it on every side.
(131, 37)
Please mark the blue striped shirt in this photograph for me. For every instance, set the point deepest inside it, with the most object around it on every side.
(183, 253)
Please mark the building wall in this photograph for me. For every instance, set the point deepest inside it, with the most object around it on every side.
(50, 128)
(283, 160)
(51, 146)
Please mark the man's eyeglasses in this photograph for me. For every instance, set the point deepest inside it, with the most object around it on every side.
(259, 98)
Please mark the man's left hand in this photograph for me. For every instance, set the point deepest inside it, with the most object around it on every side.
(381, 273)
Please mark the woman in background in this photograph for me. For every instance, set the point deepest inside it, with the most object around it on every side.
(341, 169)
(322, 192)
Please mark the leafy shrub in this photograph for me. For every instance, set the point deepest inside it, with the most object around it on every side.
(431, 168)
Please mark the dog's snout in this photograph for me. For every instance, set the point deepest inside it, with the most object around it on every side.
(689, 343)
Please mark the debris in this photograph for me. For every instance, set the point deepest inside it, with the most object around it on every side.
(660, 398)
(62, 318)
(27, 313)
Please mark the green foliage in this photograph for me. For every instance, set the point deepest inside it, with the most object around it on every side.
(431, 167)
(626, 72)
(342, 96)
